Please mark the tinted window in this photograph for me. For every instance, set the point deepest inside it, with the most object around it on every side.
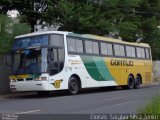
(147, 53)
(56, 40)
(106, 49)
(143, 52)
(75, 45)
(130, 51)
(133, 50)
(55, 64)
(103, 49)
(79, 46)
(30, 41)
(61, 55)
(95, 47)
(109, 49)
(122, 52)
(116, 50)
(140, 52)
(88, 46)
(119, 50)
(71, 44)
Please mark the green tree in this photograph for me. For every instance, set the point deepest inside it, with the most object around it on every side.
(124, 18)
(150, 22)
(8, 30)
(80, 17)
(152, 36)
(128, 31)
(132, 19)
(30, 10)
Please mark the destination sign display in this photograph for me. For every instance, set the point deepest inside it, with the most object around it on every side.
(30, 42)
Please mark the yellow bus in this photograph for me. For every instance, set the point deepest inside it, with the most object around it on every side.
(55, 60)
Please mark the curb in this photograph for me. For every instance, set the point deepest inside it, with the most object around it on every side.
(151, 84)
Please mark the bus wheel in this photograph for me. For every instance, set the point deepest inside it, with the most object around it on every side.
(137, 82)
(73, 86)
(130, 82)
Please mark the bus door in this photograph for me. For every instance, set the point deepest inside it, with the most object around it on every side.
(55, 59)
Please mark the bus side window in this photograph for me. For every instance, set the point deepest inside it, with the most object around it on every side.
(61, 58)
(88, 47)
(116, 50)
(147, 53)
(57, 40)
(79, 46)
(103, 48)
(95, 47)
(119, 50)
(130, 51)
(143, 52)
(109, 49)
(71, 44)
(140, 52)
(133, 50)
(106, 49)
(122, 52)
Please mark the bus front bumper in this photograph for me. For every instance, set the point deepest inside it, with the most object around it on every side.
(31, 86)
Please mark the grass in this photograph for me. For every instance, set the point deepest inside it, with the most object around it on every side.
(149, 112)
(152, 108)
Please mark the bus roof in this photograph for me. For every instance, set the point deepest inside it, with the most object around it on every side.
(87, 36)
(41, 33)
(109, 39)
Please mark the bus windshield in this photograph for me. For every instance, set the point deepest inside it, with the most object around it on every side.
(38, 54)
(30, 61)
(34, 41)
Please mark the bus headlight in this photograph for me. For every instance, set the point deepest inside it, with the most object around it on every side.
(41, 78)
(13, 80)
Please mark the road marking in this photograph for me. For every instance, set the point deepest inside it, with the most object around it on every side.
(32, 111)
(127, 102)
(122, 103)
(56, 98)
(116, 105)
(116, 98)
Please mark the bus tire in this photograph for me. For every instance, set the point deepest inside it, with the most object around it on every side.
(137, 82)
(73, 86)
(130, 82)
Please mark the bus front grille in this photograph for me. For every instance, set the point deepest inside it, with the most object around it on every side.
(27, 79)
(20, 79)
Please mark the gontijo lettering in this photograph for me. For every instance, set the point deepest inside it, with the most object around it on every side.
(115, 62)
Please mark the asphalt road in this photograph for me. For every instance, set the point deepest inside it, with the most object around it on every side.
(88, 102)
